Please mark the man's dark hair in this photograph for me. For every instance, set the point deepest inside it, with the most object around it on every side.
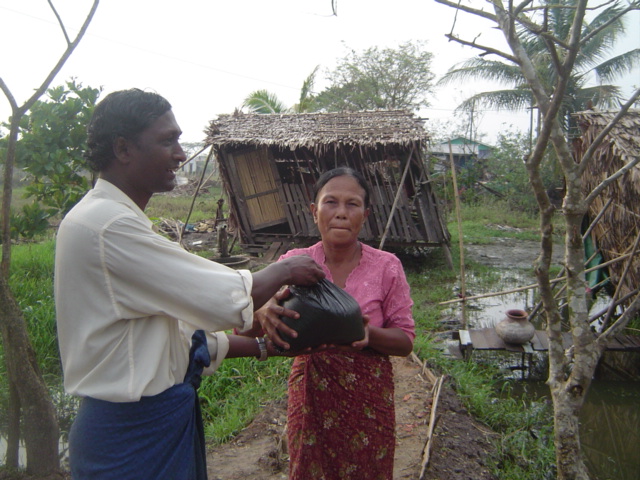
(126, 113)
(339, 172)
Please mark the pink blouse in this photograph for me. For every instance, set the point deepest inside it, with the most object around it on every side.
(378, 284)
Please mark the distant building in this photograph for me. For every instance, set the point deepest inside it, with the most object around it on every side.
(195, 165)
(465, 153)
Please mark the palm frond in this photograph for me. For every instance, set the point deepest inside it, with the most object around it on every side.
(306, 98)
(516, 99)
(478, 68)
(263, 101)
(602, 96)
(617, 66)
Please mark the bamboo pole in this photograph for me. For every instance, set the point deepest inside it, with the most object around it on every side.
(616, 294)
(195, 195)
(456, 194)
(426, 452)
(395, 201)
(194, 156)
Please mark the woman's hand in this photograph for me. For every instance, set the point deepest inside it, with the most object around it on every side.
(269, 318)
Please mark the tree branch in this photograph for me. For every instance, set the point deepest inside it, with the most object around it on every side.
(9, 95)
(590, 35)
(67, 53)
(464, 8)
(487, 50)
(64, 30)
(520, 8)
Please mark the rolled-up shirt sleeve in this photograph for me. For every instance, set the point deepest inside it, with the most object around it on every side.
(148, 274)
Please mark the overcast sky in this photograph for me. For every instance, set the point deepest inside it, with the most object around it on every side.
(206, 56)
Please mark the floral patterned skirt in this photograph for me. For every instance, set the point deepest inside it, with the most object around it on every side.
(341, 418)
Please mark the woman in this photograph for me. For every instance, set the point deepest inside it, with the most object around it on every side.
(341, 420)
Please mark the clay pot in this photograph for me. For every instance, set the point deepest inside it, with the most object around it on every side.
(515, 327)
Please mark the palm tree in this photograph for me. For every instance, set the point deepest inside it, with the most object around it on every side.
(593, 59)
(263, 101)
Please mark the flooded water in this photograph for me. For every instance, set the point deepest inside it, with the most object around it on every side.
(610, 418)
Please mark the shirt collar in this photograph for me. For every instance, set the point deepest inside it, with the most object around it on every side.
(113, 192)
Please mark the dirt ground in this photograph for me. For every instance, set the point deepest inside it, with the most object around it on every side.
(461, 447)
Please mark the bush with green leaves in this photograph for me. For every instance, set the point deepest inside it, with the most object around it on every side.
(50, 152)
(507, 175)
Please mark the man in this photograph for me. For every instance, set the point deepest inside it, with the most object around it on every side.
(136, 313)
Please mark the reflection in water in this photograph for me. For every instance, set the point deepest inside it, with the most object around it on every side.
(610, 430)
(486, 312)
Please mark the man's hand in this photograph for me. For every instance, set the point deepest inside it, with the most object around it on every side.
(303, 270)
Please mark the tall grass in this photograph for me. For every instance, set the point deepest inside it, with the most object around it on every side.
(483, 223)
(31, 281)
(234, 394)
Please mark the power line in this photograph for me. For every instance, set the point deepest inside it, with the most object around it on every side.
(159, 54)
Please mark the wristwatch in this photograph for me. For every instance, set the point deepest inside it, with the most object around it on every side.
(263, 349)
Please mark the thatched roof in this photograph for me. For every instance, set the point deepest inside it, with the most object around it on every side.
(317, 130)
(616, 231)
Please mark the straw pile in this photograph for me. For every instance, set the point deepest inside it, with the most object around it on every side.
(618, 228)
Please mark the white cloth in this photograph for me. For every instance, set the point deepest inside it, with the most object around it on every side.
(128, 300)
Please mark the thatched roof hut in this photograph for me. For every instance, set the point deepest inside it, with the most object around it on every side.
(616, 231)
(269, 163)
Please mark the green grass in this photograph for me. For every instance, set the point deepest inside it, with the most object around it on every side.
(482, 224)
(234, 394)
(169, 206)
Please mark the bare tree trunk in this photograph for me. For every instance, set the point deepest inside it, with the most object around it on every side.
(13, 428)
(566, 408)
(41, 431)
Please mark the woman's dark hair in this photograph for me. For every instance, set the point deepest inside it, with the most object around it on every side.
(339, 172)
(126, 113)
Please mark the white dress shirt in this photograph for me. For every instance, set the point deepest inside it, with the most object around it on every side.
(128, 300)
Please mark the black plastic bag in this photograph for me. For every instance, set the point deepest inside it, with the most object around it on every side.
(328, 315)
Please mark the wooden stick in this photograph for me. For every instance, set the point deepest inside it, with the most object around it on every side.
(619, 286)
(426, 452)
(193, 156)
(463, 288)
(395, 201)
(195, 194)
(415, 358)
